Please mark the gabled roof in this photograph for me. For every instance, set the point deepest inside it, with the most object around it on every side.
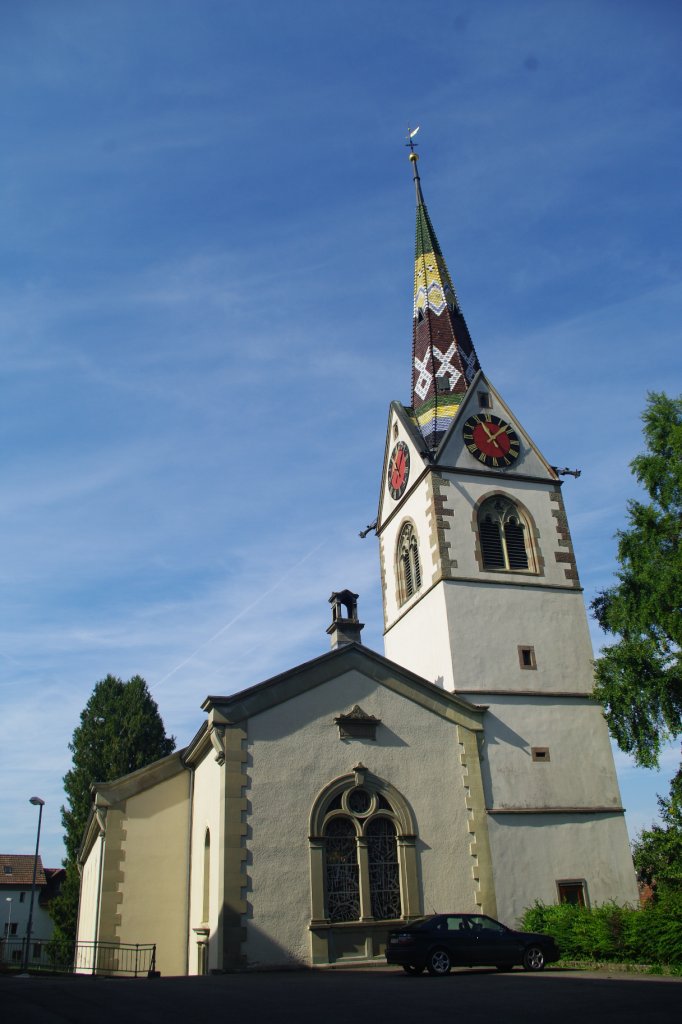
(352, 657)
(21, 870)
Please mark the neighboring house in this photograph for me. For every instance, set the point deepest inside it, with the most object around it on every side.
(469, 769)
(16, 876)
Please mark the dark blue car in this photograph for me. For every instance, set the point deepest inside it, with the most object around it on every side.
(443, 941)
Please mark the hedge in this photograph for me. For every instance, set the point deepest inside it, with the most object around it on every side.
(650, 935)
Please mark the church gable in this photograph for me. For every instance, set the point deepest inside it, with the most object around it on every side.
(352, 661)
(404, 461)
(486, 436)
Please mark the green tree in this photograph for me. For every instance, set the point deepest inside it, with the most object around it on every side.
(120, 730)
(657, 852)
(639, 677)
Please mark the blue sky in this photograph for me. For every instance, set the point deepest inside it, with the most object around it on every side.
(205, 310)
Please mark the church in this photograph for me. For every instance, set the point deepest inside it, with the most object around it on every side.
(467, 769)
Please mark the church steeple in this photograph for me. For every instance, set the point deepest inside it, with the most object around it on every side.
(444, 360)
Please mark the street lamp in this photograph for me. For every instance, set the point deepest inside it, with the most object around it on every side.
(8, 899)
(37, 802)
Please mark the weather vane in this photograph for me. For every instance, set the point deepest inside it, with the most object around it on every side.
(411, 132)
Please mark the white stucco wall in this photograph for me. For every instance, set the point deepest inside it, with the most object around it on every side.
(294, 752)
(475, 633)
(87, 907)
(206, 814)
(580, 771)
(532, 852)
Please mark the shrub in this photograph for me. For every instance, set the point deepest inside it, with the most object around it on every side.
(652, 934)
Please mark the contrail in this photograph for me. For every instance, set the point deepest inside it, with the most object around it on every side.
(237, 617)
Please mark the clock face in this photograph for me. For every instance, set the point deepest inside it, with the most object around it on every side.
(490, 440)
(398, 470)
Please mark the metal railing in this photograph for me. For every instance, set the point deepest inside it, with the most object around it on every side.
(55, 955)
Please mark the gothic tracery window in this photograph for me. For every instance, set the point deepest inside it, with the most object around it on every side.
(504, 536)
(343, 886)
(409, 566)
(361, 849)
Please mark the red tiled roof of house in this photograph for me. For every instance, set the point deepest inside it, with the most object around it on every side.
(21, 870)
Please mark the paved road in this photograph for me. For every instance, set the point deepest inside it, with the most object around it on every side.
(339, 996)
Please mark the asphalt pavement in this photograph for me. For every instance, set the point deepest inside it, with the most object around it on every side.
(360, 996)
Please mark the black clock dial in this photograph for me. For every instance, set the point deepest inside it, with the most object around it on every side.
(491, 441)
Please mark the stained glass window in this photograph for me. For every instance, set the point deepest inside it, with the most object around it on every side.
(343, 888)
(384, 881)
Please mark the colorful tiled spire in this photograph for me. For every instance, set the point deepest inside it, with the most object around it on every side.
(444, 360)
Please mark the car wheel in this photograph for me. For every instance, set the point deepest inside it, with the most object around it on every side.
(533, 959)
(439, 962)
(412, 969)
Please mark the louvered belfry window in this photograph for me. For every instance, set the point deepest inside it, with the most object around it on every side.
(504, 536)
(409, 567)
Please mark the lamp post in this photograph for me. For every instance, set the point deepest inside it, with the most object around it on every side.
(37, 802)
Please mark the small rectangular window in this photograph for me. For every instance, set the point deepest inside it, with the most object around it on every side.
(7, 868)
(484, 400)
(573, 891)
(36, 951)
(527, 657)
(540, 753)
(22, 897)
(395, 430)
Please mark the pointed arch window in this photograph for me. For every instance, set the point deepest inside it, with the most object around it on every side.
(361, 854)
(206, 893)
(409, 566)
(504, 537)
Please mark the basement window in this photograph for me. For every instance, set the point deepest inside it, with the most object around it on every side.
(540, 753)
(527, 657)
(573, 891)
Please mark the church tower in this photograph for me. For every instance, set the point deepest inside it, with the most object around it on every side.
(482, 597)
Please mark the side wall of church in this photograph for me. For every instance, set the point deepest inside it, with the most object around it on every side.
(295, 751)
(153, 871)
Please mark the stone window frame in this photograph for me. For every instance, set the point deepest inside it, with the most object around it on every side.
(536, 562)
(406, 838)
(572, 883)
(532, 662)
(408, 528)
